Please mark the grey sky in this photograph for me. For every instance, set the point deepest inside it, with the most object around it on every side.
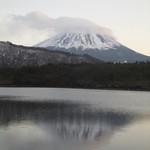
(128, 19)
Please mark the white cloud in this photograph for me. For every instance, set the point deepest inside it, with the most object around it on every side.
(24, 29)
(36, 27)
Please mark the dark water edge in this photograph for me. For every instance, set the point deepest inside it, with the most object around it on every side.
(134, 87)
(120, 88)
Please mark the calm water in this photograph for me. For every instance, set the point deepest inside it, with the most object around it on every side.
(74, 119)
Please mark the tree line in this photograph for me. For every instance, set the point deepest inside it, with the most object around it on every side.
(135, 76)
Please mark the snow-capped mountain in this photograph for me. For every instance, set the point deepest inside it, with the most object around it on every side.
(16, 56)
(80, 41)
(83, 37)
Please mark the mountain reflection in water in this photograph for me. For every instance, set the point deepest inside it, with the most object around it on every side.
(67, 120)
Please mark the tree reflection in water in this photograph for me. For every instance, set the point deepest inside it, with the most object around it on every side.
(69, 120)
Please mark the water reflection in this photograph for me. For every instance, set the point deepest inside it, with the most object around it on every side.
(66, 120)
(89, 120)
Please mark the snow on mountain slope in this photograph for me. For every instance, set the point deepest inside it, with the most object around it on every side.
(80, 41)
(101, 46)
(80, 36)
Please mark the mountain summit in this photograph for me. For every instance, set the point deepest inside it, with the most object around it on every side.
(83, 37)
(81, 41)
(80, 34)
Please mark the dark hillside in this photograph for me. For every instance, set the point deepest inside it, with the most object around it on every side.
(100, 76)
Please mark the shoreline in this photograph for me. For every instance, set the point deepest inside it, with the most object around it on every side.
(113, 89)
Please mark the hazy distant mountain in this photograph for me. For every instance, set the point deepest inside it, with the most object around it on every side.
(83, 37)
(16, 56)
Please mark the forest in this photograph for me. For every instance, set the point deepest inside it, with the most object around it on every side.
(134, 76)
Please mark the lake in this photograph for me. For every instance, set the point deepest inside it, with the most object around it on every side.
(74, 119)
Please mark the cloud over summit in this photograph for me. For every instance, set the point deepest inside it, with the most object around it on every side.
(35, 27)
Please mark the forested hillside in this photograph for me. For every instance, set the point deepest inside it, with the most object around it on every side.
(100, 76)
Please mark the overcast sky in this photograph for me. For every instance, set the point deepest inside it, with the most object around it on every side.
(129, 20)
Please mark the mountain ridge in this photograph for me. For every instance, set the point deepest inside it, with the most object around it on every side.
(12, 55)
(100, 46)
